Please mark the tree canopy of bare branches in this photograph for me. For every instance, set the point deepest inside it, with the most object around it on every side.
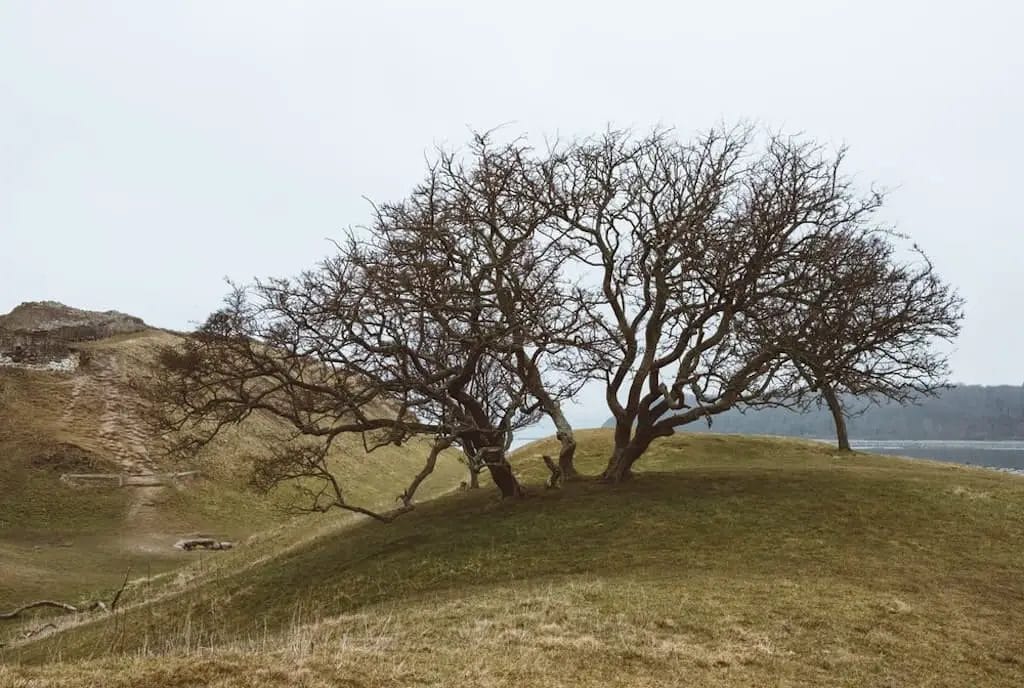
(686, 277)
(694, 245)
(865, 322)
(442, 323)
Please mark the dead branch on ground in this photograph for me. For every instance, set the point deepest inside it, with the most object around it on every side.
(68, 608)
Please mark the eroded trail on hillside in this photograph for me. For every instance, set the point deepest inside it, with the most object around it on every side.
(122, 431)
(101, 393)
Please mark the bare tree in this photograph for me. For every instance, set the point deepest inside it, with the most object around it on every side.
(734, 270)
(355, 346)
(865, 324)
(445, 323)
(474, 215)
(690, 242)
(487, 198)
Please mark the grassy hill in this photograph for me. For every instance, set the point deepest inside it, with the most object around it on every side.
(728, 561)
(65, 542)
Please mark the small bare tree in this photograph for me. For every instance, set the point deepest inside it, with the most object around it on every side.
(865, 323)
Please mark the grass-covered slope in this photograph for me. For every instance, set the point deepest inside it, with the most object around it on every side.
(65, 542)
(728, 561)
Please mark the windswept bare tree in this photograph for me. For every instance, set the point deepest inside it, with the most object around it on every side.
(865, 323)
(690, 241)
(733, 270)
(504, 235)
(446, 322)
(343, 349)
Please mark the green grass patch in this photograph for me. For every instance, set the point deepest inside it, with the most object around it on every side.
(727, 561)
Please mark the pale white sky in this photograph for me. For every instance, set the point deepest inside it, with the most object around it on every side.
(149, 149)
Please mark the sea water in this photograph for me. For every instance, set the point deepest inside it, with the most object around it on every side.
(1008, 456)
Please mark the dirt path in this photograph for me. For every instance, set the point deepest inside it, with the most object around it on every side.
(121, 430)
(102, 389)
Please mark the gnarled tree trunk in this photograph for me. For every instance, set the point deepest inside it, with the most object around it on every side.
(618, 469)
(486, 450)
(567, 452)
(630, 445)
(627, 451)
(505, 480)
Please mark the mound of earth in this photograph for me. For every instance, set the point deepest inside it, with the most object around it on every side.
(52, 315)
(38, 331)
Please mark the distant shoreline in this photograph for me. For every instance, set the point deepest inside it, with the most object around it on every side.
(1000, 455)
(1006, 456)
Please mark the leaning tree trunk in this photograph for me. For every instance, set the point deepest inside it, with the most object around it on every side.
(474, 478)
(838, 417)
(503, 477)
(630, 445)
(563, 429)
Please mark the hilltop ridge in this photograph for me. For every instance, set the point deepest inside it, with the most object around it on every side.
(41, 331)
(53, 315)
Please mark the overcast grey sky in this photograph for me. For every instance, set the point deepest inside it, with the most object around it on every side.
(148, 150)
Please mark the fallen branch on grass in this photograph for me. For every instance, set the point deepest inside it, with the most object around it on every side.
(63, 606)
(69, 608)
(14, 614)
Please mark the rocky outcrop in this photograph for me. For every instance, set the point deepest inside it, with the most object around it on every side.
(45, 331)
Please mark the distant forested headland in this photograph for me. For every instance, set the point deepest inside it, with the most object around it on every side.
(967, 412)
